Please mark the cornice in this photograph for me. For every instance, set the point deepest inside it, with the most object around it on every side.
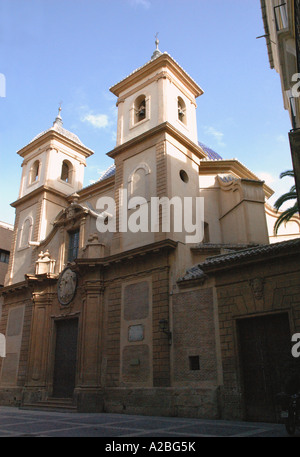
(234, 166)
(165, 128)
(163, 74)
(127, 255)
(11, 288)
(37, 191)
(53, 135)
(164, 60)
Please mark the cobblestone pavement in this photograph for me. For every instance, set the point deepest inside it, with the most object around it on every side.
(15, 422)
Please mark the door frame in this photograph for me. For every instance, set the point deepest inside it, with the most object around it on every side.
(237, 343)
(54, 320)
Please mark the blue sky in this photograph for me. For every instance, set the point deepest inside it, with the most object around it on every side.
(74, 50)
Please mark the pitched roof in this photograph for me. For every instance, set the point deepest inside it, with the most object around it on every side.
(272, 249)
(194, 273)
(198, 272)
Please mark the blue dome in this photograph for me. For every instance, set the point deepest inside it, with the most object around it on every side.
(211, 155)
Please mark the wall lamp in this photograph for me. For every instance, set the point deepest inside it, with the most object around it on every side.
(164, 327)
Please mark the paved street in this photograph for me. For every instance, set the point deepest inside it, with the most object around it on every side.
(16, 422)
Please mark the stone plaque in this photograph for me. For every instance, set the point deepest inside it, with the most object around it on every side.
(136, 301)
(66, 287)
(136, 333)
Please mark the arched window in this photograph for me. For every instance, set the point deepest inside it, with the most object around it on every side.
(181, 110)
(140, 108)
(34, 172)
(138, 181)
(26, 230)
(66, 171)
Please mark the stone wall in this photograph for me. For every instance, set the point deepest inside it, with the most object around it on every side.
(263, 288)
(194, 342)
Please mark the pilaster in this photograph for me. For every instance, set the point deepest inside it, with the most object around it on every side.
(91, 331)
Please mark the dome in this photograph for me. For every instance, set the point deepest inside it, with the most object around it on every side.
(57, 127)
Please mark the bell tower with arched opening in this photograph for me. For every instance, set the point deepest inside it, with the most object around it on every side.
(52, 170)
(157, 132)
(159, 91)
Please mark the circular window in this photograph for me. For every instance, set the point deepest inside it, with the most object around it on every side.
(183, 176)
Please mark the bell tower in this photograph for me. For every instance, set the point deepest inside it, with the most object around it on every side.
(159, 91)
(55, 159)
(157, 152)
(52, 170)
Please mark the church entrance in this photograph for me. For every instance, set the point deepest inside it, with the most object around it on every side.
(265, 354)
(65, 358)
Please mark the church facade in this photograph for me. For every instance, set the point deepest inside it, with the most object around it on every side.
(142, 321)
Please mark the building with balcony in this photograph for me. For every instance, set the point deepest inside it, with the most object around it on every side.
(282, 32)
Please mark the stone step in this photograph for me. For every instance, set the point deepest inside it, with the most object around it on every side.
(52, 404)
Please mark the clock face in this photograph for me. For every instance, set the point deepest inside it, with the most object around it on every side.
(66, 287)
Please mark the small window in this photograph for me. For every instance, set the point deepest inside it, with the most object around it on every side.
(194, 362)
(181, 110)
(281, 17)
(34, 172)
(66, 171)
(4, 256)
(184, 176)
(73, 245)
(140, 108)
(206, 233)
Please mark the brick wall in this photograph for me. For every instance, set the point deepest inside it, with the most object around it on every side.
(194, 337)
(279, 291)
(113, 334)
(158, 353)
(161, 347)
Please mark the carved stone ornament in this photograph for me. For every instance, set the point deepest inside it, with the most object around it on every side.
(66, 287)
(257, 286)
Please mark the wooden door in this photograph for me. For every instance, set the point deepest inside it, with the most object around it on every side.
(65, 358)
(265, 354)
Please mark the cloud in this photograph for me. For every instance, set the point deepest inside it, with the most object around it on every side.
(145, 3)
(279, 186)
(218, 136)
(98, 121)
(267, 177)
(100, 172)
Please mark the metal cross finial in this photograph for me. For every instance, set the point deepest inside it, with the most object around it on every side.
(157, 52)
(58, 119)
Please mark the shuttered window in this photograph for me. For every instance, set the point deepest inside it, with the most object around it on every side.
(73, 245)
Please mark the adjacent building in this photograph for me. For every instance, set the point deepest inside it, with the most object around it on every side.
(6, 234)
(282, 31)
